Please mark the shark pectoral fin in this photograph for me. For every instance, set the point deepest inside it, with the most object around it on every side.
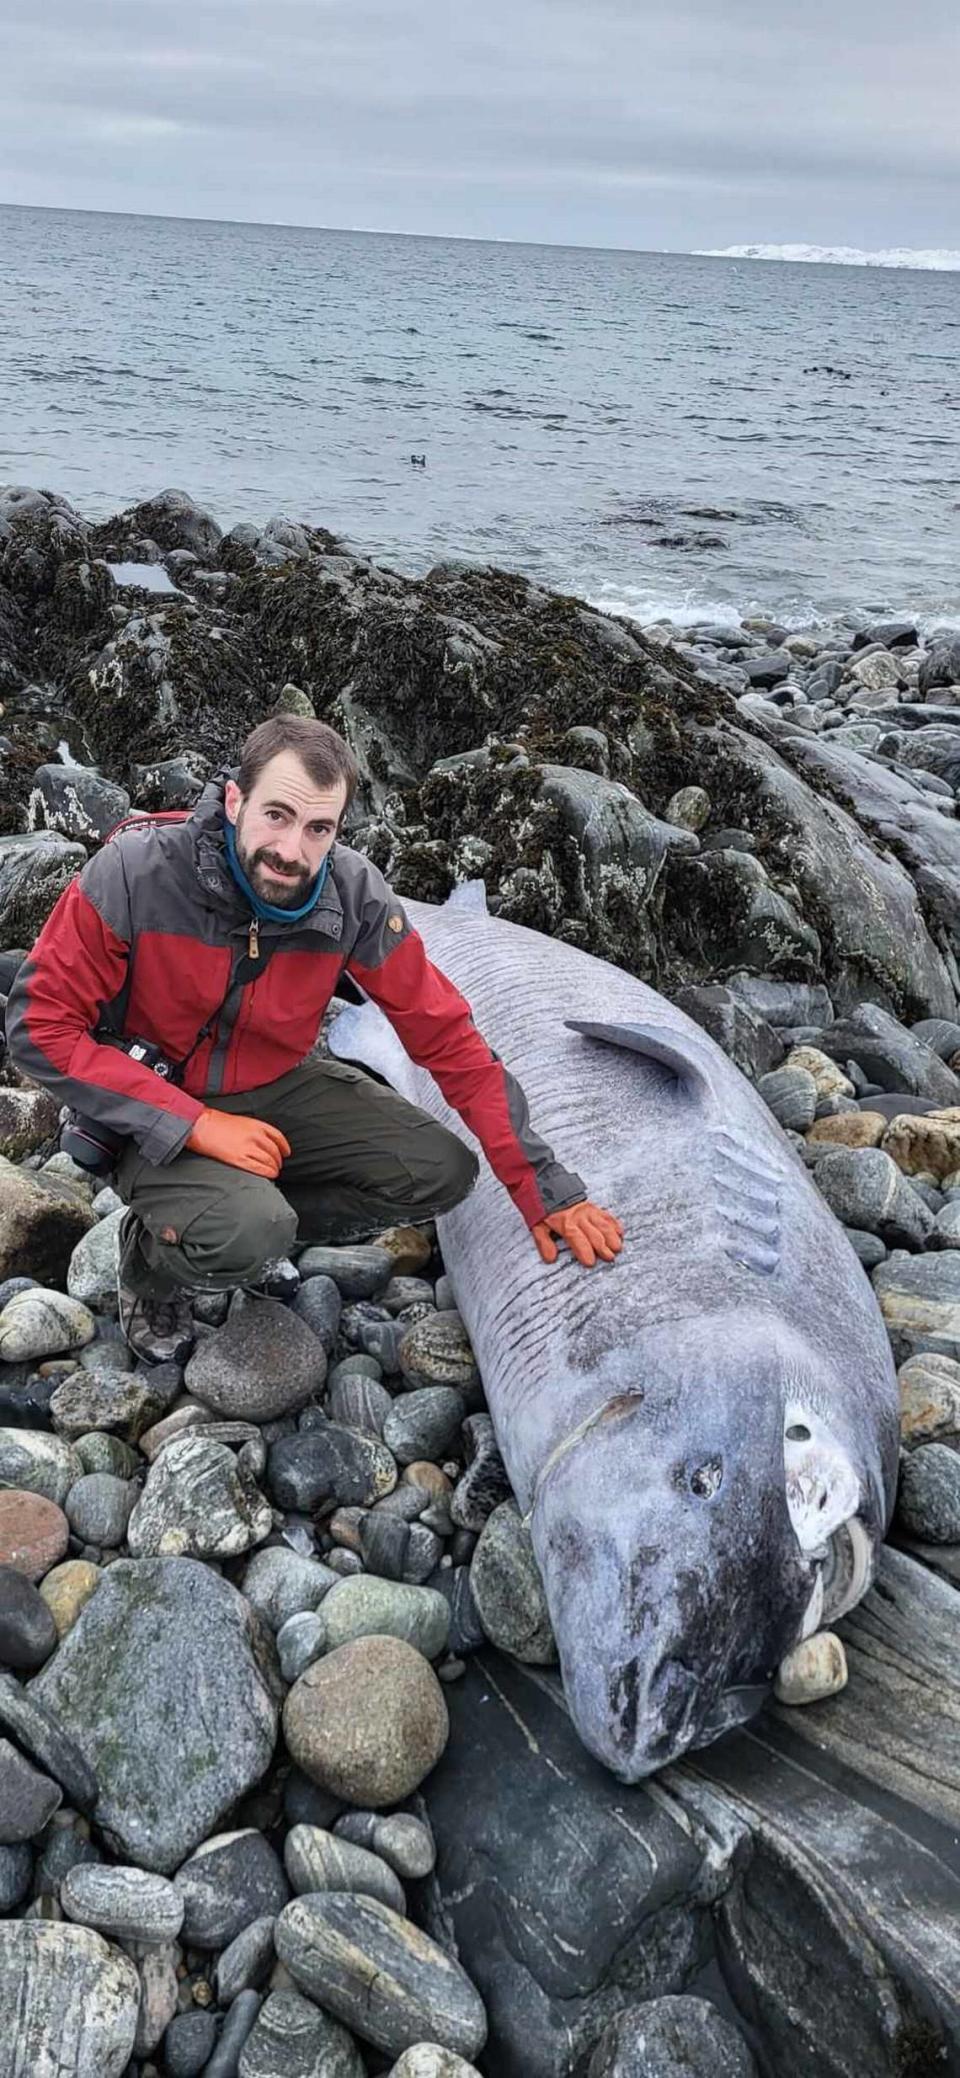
(468, 898)
(361, 1034)
(687, 1060)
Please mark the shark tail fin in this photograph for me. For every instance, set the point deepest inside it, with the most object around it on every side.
(469, 898)
(361, 1034)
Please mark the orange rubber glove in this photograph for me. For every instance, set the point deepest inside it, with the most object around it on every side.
(246, 1143)
(589, 1233)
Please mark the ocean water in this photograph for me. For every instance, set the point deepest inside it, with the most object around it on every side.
(693, 436)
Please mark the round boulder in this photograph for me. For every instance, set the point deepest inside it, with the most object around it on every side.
(263, 1363)
(368, 1722)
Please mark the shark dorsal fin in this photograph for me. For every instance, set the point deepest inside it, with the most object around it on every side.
(686, 1056)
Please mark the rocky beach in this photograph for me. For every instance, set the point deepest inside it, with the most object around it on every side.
(287, 1785)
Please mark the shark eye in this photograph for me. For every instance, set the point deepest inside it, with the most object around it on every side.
(706, 1479)
(798, 1432)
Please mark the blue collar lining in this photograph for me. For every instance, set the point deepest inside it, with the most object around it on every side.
(269, 912)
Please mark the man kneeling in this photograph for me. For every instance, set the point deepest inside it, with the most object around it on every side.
(173, 998)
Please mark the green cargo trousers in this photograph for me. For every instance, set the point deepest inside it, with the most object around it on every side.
(362, 1159)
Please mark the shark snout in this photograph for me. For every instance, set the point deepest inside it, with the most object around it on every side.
(651, 1718)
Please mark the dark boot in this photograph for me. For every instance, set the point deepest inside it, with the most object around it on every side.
(157, 1320)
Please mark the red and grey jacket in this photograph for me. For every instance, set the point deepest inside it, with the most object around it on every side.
(154, 940)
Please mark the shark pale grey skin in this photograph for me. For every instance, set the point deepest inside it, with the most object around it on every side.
(702, 1435)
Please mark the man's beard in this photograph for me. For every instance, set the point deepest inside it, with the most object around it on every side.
(295, 887)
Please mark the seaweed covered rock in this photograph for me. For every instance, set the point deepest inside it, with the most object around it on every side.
(38, 532)
(503, 732)
(164, 680)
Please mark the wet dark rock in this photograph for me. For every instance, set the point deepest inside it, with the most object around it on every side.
(941, 1034)
(293, 2038)
(507, 1589)
(890, 1055)
(746, 1038)
(28, 1633)
(16, 1870)
(305, 1803)
(466, 1633)
(224, 2062)
(541, 1844)
(172, 520)
(791, 1095)
(246, 1963)
(761, 927)
(188, 2044)
(356, 1402)
(671, 2038)
(332, 1465)
(484, 1483)
(35, 867)
(384, 1544)
(868, 1247)
(928, 1506)
(920, 1301)
(941, 665)
(783, 1003)
(281, 1583)
(38, 1728)
(402, 1840)
(169, 782)
(318, 1304)
(362, 1272)
(27, 1798)
(229, 1882)
(39, 531)
(370, 1329)
(78, 803)
(864, 1189)
(64, 1848)
(424, 1424)
(900, 634)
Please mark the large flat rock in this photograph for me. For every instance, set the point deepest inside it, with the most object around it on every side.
(897, 1723)
(839, 1935)
(835, 1894)
(557, 1883)
(168, 1684)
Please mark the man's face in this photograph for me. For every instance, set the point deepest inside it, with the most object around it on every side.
(284, 829)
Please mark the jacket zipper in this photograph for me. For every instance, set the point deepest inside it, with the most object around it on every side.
(253, 939)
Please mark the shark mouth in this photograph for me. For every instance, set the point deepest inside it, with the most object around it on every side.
(823, 1500)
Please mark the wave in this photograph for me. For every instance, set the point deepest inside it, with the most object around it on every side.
(940, 259)
(692, 607)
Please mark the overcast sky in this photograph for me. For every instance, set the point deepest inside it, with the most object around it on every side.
(644, 123)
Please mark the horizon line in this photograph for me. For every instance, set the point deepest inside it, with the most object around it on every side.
(756, 251)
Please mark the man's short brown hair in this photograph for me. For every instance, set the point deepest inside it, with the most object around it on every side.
(322, 753)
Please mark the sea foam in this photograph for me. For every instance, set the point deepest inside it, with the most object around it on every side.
(938, 258)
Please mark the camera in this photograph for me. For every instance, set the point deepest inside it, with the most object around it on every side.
(95, 1147)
